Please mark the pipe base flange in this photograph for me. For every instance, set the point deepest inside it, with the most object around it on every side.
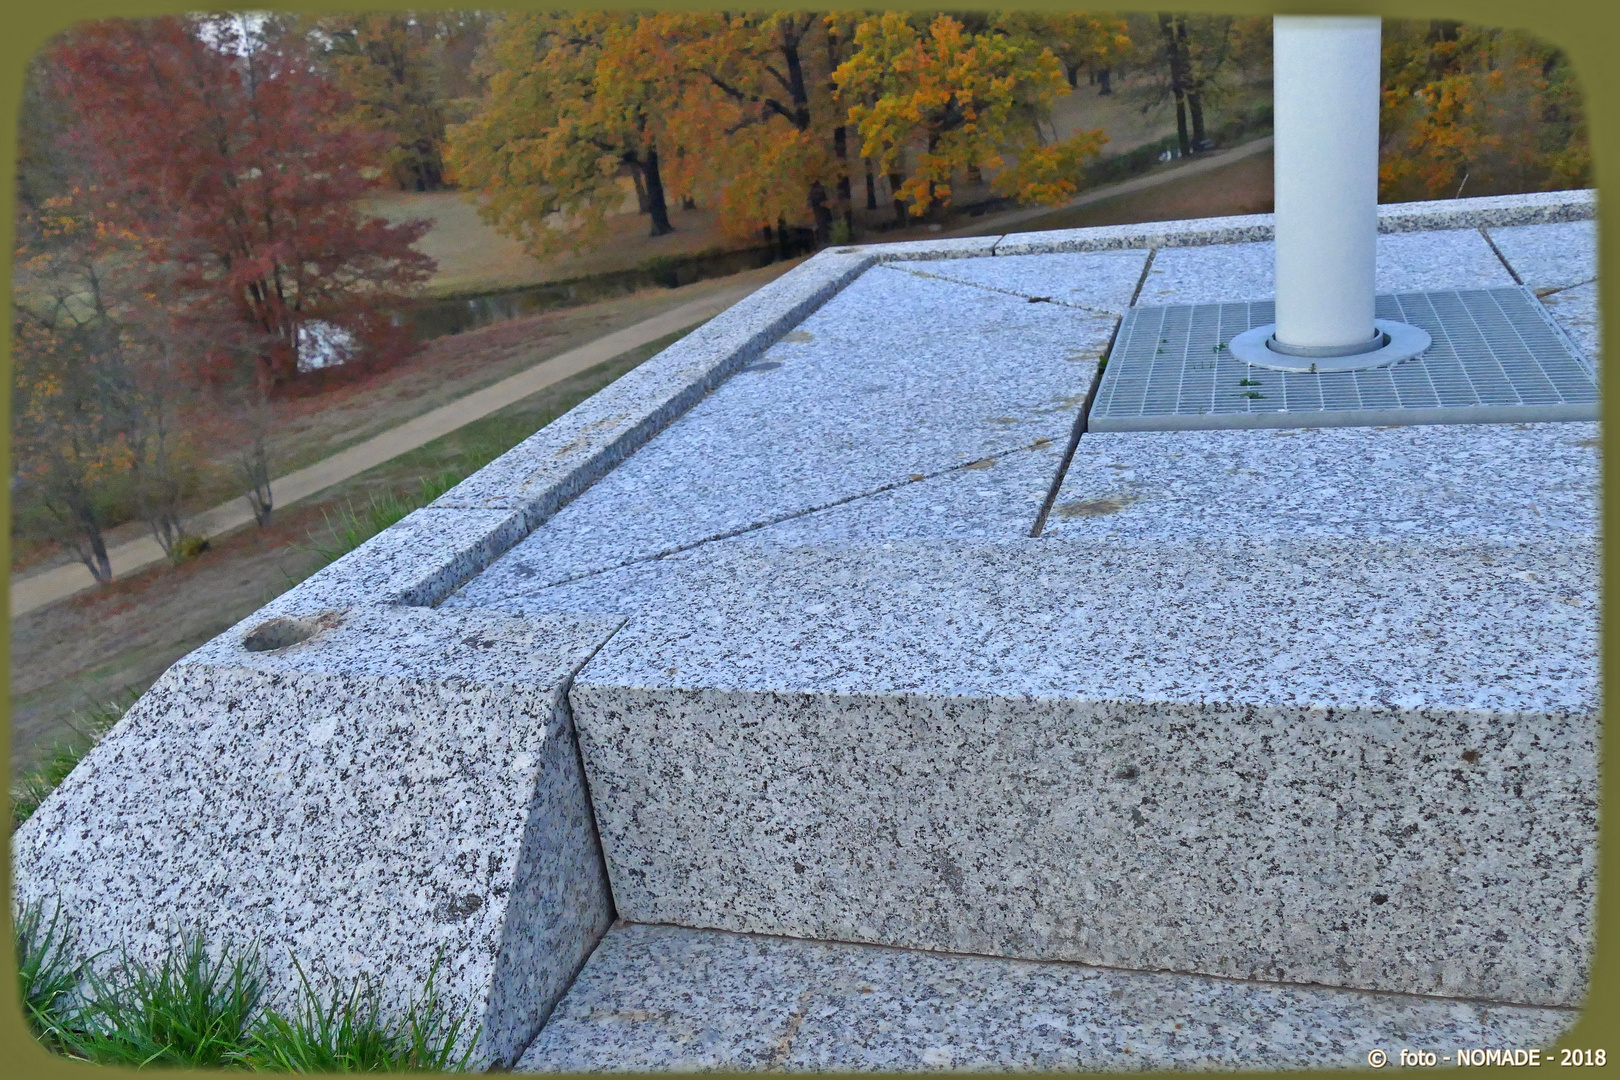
(1401, 341)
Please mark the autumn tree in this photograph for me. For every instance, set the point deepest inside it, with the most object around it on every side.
(1476, 110)
(568, 112)
(1195, 61)
(1081, 41)
(386, 63)
(225, 152)
(755, 114)
(68, 383)
(969, 101)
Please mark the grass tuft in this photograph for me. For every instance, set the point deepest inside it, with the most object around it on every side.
(47, 973)
(346, 1033)
(351, 527)
(193, 1011)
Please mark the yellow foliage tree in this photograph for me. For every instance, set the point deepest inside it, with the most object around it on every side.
(569, 110)
(1477, 110)
(965, 102)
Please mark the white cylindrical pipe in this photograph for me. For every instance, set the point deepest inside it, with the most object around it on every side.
(1327, 98)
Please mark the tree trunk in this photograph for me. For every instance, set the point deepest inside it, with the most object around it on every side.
(782, 244)
(871, 186)
(1195, 105)
(895, 180)
(846, 207)
(1177, 82)
(655, 195)
(1195, 102)
(85, 531)
(641, 188)
(1104, 86)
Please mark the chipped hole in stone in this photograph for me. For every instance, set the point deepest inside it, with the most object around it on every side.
(1591, 442)
(280, 633)
(457, 908)
(1470, 756)
(1127, 772)
(1379, 898)
(918, 476)
(769, 365)
(798, 335)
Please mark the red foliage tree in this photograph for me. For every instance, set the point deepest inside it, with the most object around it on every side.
(227, 148)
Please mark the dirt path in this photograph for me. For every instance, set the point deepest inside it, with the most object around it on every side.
(32, 591)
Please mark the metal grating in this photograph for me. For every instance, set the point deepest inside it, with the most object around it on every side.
(1497, 357)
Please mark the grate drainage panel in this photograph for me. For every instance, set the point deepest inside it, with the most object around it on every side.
(1497, 357)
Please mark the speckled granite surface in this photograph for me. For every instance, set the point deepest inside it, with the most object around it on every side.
(667, 998)
(401, 783)
(1359, 763)
(1325, 755)
(1407, 262)
(842, 407)
(1550, 256)
(1497, 482)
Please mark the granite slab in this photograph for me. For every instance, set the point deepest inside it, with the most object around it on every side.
(369, 792)
(956, 247)
(543, 472)
(1497, 482)
(839, 408)
(1363, 763)
(1094, 281)
(994, 498)
(1407, 262)
(1550, 256)
(672, 999)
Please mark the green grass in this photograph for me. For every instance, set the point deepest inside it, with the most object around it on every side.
(89, 725)
(197, 1010)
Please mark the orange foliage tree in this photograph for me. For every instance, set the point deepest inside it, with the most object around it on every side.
(968, 101)
(1477, 110)
(573, 104)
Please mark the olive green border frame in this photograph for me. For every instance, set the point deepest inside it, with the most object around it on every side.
(1588, 31)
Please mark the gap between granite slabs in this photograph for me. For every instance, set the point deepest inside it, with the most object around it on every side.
(1548, 256)
(670, 998)
(1101, 282)
(1497, 482)
(359, 793)
(898, 376)
(998, 508)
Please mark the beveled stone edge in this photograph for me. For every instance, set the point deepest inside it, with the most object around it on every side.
(1496, 211)
(435, 550)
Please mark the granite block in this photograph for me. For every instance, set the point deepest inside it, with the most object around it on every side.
(840, 408)
(1501, 482)
(1192, 232)
(1407, 262)
(956, 247)
(1576, 311)
(399, 786)
(669, 998)
(1550, 256)
(1490, 211)
(1359, 763)
(545, 471)
(1514, 1028)
(1095, 281)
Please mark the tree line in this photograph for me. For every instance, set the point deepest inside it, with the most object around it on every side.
(192, 243)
